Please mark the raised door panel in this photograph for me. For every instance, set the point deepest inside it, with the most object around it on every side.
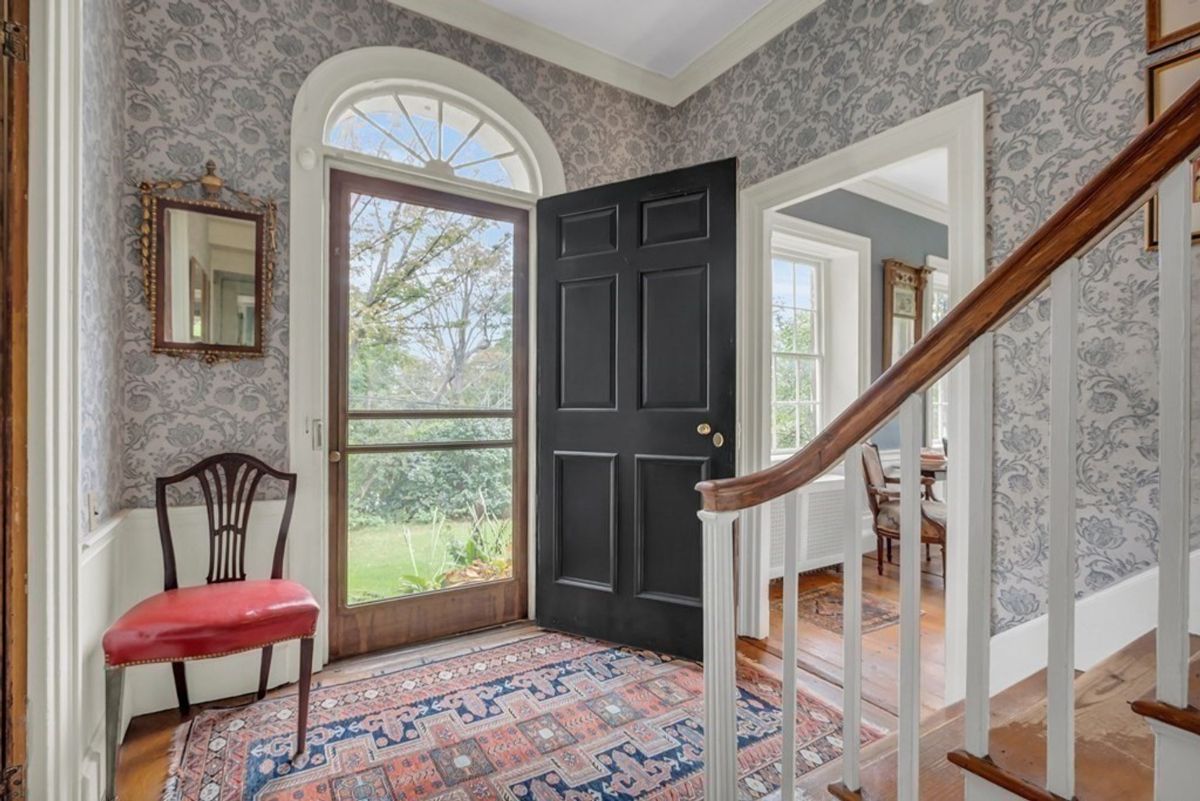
(587, 345)
(667, 529)
(585, 519)
(674, 338)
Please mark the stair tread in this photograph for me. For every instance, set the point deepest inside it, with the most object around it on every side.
(1114, 746)
(1188, 719)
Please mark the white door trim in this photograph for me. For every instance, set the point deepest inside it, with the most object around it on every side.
(308, 348)
(960, 129)
(54, 737)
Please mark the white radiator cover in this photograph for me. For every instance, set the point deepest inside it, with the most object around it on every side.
(822, 517)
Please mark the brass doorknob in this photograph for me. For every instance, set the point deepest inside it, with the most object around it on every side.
(335, 456)
(704, 429)
(718, 439)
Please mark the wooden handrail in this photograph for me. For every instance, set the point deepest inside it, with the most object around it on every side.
(1125, 183)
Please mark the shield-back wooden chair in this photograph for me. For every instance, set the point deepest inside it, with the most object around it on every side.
(228, 614)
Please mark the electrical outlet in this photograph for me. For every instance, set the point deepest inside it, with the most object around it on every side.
(93, 510)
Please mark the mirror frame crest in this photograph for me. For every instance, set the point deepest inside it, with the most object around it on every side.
(206, 193)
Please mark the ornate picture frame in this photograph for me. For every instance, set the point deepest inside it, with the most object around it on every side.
(1165, 82)
(1170, 21)
(209, 194)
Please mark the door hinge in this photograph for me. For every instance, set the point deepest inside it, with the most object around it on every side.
(13, 787)
(16, 41)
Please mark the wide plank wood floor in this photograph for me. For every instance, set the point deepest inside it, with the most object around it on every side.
(819, 651)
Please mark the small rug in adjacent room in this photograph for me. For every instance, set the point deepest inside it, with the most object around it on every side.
(539, 717)
(823, 607)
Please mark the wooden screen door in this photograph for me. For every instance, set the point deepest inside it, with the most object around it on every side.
(14, 220)
(429, 385)
(636, 363)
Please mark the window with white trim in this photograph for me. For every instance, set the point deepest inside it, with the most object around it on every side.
(937, 399)
(796, 347)
(446, 137)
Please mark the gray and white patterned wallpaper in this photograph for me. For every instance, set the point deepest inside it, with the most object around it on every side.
(1065, 86)
(102, 256)
(217, 79)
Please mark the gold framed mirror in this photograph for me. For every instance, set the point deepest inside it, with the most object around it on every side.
(208, 266)
(903, 303)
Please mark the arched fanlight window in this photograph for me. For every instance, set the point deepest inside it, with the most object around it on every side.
(446, 137)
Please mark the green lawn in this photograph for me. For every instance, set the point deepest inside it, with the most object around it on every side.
(380, 558)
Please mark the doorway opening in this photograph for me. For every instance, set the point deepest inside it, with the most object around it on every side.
(428, 403)
(897, 222)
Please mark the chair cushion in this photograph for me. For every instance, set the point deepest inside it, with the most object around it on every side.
(889, 513)
(211, 620)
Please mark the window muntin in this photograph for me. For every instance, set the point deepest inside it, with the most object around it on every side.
(796, 350)
(423, 131)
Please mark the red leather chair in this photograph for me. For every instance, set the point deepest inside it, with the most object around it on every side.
(227, 615)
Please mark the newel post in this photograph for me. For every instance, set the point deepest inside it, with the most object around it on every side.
(720, 657)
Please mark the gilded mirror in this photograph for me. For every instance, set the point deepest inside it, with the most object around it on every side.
(208, 265)
(903, 302)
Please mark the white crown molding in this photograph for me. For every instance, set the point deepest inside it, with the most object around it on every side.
(901, 197)
(768, 22)
(489, 22)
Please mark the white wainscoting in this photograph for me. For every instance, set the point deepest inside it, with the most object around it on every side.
(1105, 622)
(97, 608)
(121, 564)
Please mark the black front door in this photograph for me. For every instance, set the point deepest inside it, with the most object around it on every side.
(636, 371)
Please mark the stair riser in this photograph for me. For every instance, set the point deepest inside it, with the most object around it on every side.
(1176, 767)
(978, 789)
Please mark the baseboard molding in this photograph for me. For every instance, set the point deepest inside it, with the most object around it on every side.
(1105, 622)
(91, 769)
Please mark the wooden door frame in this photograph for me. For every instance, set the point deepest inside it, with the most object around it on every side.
(496, 602)
(14, 242)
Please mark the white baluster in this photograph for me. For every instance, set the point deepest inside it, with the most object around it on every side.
(909, 729)
(791, 567)
(1060, 672)
(852, 621)
(1175, 431)
(720, 657)
(979, 559)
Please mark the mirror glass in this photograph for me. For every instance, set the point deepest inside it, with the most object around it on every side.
(903, 336)
(209, 278)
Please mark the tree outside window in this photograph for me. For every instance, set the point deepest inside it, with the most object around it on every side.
(796, 351)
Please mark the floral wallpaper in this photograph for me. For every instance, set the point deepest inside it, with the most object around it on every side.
(1065, 89)
(102, 257)
(217, 79)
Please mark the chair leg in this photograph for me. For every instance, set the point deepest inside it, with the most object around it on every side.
(928, 553)
(306, 659)
(181, 688)
(264, 672)
(889, 549)
(944, 564)
(879, 554)
(114, 685)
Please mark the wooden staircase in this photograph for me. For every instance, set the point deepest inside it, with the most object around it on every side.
(1114, 756)
(1083, 740)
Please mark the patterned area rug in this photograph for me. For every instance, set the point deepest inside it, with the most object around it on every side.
(540, 717)
(823, 607)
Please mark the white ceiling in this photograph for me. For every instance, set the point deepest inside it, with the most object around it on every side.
(661, 49)
(927, 174)
(662, 36)
(920, 185)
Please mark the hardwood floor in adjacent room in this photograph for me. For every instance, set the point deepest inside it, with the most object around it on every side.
(819, 650)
